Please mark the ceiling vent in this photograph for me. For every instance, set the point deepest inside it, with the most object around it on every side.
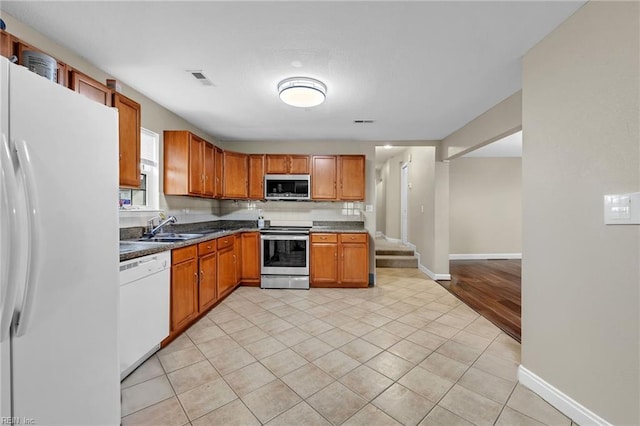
(199, 75)
(364, 121)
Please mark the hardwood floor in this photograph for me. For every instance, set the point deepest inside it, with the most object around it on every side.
(492, 288)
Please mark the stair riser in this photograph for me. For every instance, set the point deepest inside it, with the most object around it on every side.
(381, 252)
(396, 263)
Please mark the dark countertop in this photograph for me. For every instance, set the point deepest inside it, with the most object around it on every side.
(212, 231)
(338, 230)
(210, 235)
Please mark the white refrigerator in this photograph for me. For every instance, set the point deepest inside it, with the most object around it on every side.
(59, 254)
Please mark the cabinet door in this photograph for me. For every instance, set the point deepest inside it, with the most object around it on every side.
(324, 263)
(208, 275)
(236, 182)
(323, 177)
(256, 176)
(219, 169)
(351, 175)
(129, 132)
(209, 169)
(196, 165)
(276, 164)
(299, 164)
(250, 259)
(354, 264)
(226, 271)
(237, 258)
(184, 293)
(6, 44)
(90, 88)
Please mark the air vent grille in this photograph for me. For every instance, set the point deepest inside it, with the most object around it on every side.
(199, 75)
(364, 121)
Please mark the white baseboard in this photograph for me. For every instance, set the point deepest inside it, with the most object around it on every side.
(485, 256)
(433, 275)
(568, 406)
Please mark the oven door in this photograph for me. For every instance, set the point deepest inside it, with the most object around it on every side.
(284, 254)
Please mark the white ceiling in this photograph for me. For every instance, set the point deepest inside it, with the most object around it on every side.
(421, 70)
(509, 146)
(384, 153)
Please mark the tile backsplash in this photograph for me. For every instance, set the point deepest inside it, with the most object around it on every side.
(212, 210)
(288, 210)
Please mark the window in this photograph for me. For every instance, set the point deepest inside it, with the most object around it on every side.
(146, 197)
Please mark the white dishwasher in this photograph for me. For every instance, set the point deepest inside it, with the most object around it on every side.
(144, 308)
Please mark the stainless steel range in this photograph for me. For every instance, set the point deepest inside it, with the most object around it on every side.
(285, 255)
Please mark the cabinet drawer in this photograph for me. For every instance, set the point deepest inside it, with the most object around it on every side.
(354, 238)
(184, 253)
(225, 242)
(324, 238)
(206, 247)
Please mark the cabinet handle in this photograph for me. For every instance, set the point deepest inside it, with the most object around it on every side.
(324, 238)
(353, 238)
(201, 276)
(195, 278)
(209, 247)
(234, 258)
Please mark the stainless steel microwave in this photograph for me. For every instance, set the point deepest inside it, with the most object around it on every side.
(287, 187)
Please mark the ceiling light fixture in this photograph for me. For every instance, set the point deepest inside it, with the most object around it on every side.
(302, 92)
(387, 146)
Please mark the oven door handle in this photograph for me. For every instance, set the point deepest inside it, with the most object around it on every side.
(285, 237)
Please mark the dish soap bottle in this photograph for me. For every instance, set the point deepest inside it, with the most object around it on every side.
(260, 221)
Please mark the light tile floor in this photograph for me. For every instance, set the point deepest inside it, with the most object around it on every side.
(404, 352)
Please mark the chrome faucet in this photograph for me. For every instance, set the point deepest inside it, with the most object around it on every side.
(158, 228)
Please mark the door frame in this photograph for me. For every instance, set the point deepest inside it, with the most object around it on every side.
(404, 202)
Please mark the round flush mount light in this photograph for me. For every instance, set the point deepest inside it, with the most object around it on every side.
(302, 92)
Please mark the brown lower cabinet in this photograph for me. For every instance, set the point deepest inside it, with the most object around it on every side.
(202, 275)
(339, 260)
(227, 273)
(250, 259)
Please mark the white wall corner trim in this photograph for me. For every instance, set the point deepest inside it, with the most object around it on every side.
(485, 256)
(568, 406)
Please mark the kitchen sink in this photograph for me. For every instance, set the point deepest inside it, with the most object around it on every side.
(170, 238)
(129, 246)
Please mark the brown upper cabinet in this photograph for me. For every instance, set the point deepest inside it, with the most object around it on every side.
(129, 132)
(338, 177)
(6, 44)
(236, 175)
(256, 176)
(324, 174)
(92, 89)
(218, 173)
(282, 164)
(351, 177)
(189, 163)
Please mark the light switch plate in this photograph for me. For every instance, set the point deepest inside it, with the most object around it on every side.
(368, 208)
(622, 209)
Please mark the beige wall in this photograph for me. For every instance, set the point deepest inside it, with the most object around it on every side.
(427, 209)
(391, 176)
(486, 205)
(502, 120)
(154, 117)
(381, 201)
(580, 278)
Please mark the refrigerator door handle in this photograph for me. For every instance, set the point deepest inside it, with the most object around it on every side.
(21, 321)
(10, 240)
